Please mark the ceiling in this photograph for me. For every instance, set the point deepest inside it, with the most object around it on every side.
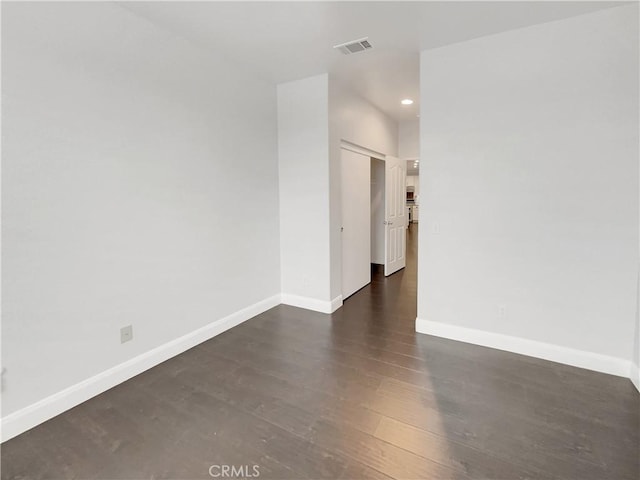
(283, 41)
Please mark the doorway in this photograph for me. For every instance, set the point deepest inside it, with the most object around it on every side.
(374, 216)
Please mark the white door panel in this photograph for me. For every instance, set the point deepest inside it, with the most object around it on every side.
(395, 215)
(356, 221)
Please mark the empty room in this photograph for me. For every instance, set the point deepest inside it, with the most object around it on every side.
(320, 240)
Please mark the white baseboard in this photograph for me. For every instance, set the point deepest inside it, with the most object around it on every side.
(523, 346)
(336, 303)
(41, 411)
(634, 375)
(322, 306)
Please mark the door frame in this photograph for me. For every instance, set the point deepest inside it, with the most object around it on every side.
(362, 150)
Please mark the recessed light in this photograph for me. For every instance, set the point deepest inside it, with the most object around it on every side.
(406, 101)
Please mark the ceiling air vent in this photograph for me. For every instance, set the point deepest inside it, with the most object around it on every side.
(354, 46)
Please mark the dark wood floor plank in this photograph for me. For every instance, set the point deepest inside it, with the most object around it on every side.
(472, 462)
(522, 398)
(286, 413)
(530, 382)
(380, 455)
(359, 471)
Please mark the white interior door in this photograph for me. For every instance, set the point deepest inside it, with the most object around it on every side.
(356, 221)
(395, 215)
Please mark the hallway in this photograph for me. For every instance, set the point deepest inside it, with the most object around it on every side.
(355, 395)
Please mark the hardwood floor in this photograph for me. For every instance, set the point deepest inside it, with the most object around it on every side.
(353, 395)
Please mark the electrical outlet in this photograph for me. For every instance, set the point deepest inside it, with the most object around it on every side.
(126, 334)
(502, 311)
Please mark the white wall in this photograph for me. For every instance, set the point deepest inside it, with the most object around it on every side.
(634, 373)
(355, 120)
(303, 144)
(409, 139)
(529, 179)
(125, 151)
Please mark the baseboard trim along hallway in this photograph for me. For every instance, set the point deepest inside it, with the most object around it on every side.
(47, 408)
(308, 303)
(531, 348)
